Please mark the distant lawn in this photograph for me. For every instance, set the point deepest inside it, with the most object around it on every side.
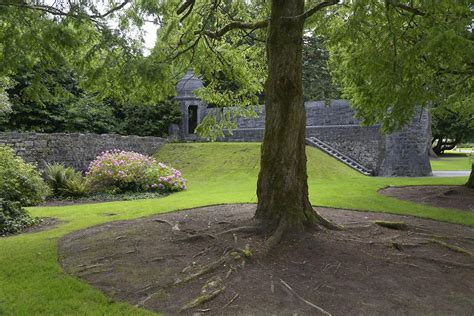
(211, 166)
(32, 282)
(452, 161)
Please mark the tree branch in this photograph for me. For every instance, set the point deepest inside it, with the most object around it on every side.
(55, 11)
(187, 4)
(236, 25)
(407, 8)
(117, 8)
(318, 8)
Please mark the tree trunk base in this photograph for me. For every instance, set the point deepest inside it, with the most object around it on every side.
(284, 227)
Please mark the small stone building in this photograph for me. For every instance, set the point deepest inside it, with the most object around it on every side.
(403, 153)
(192, 108)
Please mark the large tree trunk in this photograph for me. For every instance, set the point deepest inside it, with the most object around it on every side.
(282, 187)
(470, 182)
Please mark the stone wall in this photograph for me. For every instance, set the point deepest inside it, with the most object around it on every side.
(363, 144)
(338, 112)
(405, 153)
(75, 150)
(318, 113)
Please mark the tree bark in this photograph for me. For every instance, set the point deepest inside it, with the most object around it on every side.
(470, 182)
(282, 187)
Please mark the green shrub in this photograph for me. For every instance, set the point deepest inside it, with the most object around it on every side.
(76, 187)
(13, 218)
(65, 181)
(20, 181)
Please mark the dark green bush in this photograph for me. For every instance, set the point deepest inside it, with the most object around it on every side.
(65, 181)
(76, 187)
(20, 181)
(13, 218)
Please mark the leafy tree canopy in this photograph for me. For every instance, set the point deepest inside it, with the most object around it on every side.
(96, 40)
(317, 80)
(386, 56)
(390, 56)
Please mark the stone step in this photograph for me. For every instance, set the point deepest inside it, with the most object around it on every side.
(315, 142)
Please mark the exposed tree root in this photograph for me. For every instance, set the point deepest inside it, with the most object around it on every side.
(276, 237)
(228, 256)
(442, 261)
(146, 299)
(174, 228)
(194, 237)
(467, 239)
(452, 247)
(403, 246)
(392, 225)
(242, 229)
(326, 223)
(231, 301)
(202, 299)
(321, 310)
(204, 270)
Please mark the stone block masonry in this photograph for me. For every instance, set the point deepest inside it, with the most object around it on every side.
(74, 149)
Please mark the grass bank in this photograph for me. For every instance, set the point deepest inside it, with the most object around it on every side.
(32, 282)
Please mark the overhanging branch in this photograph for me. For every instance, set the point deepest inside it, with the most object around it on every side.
(407, 8)
(112, 10)
(236, 25)
(318, 8)
(55, 11)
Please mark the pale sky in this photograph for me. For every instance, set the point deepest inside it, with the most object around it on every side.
(150, 35)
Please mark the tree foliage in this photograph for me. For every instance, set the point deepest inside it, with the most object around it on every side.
(66, 107)
(390, 56)
(80, 68)
(450, 126)
(317, 80)
(98, 41)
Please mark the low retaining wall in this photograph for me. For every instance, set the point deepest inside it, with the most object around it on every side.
(402, 153)
(74, 149)
(363, 144)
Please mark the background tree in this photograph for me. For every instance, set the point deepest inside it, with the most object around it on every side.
(317, 80)
(390, 56)
(76, 72)
(450, 127)
(5, 105)
(66, 107)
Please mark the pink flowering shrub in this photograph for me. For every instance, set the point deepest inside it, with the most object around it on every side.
(130, 171)
(162, 177)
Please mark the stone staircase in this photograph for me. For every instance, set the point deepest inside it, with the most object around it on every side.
(316, 142)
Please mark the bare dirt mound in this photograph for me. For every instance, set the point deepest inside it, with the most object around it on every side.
(458, 197)
(193, 262)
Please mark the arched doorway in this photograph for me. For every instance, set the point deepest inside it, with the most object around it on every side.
(192, 118)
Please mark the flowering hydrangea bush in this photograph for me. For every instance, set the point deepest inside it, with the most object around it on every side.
(130, 171)
(162, 177)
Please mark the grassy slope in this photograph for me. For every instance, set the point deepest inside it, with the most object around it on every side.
(452, 161)
(32, 283)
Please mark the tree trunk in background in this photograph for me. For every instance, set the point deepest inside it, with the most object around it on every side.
(282, 187)
(470, 182)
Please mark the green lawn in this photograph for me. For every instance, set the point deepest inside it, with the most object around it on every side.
(452, 161)
(31, 280)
